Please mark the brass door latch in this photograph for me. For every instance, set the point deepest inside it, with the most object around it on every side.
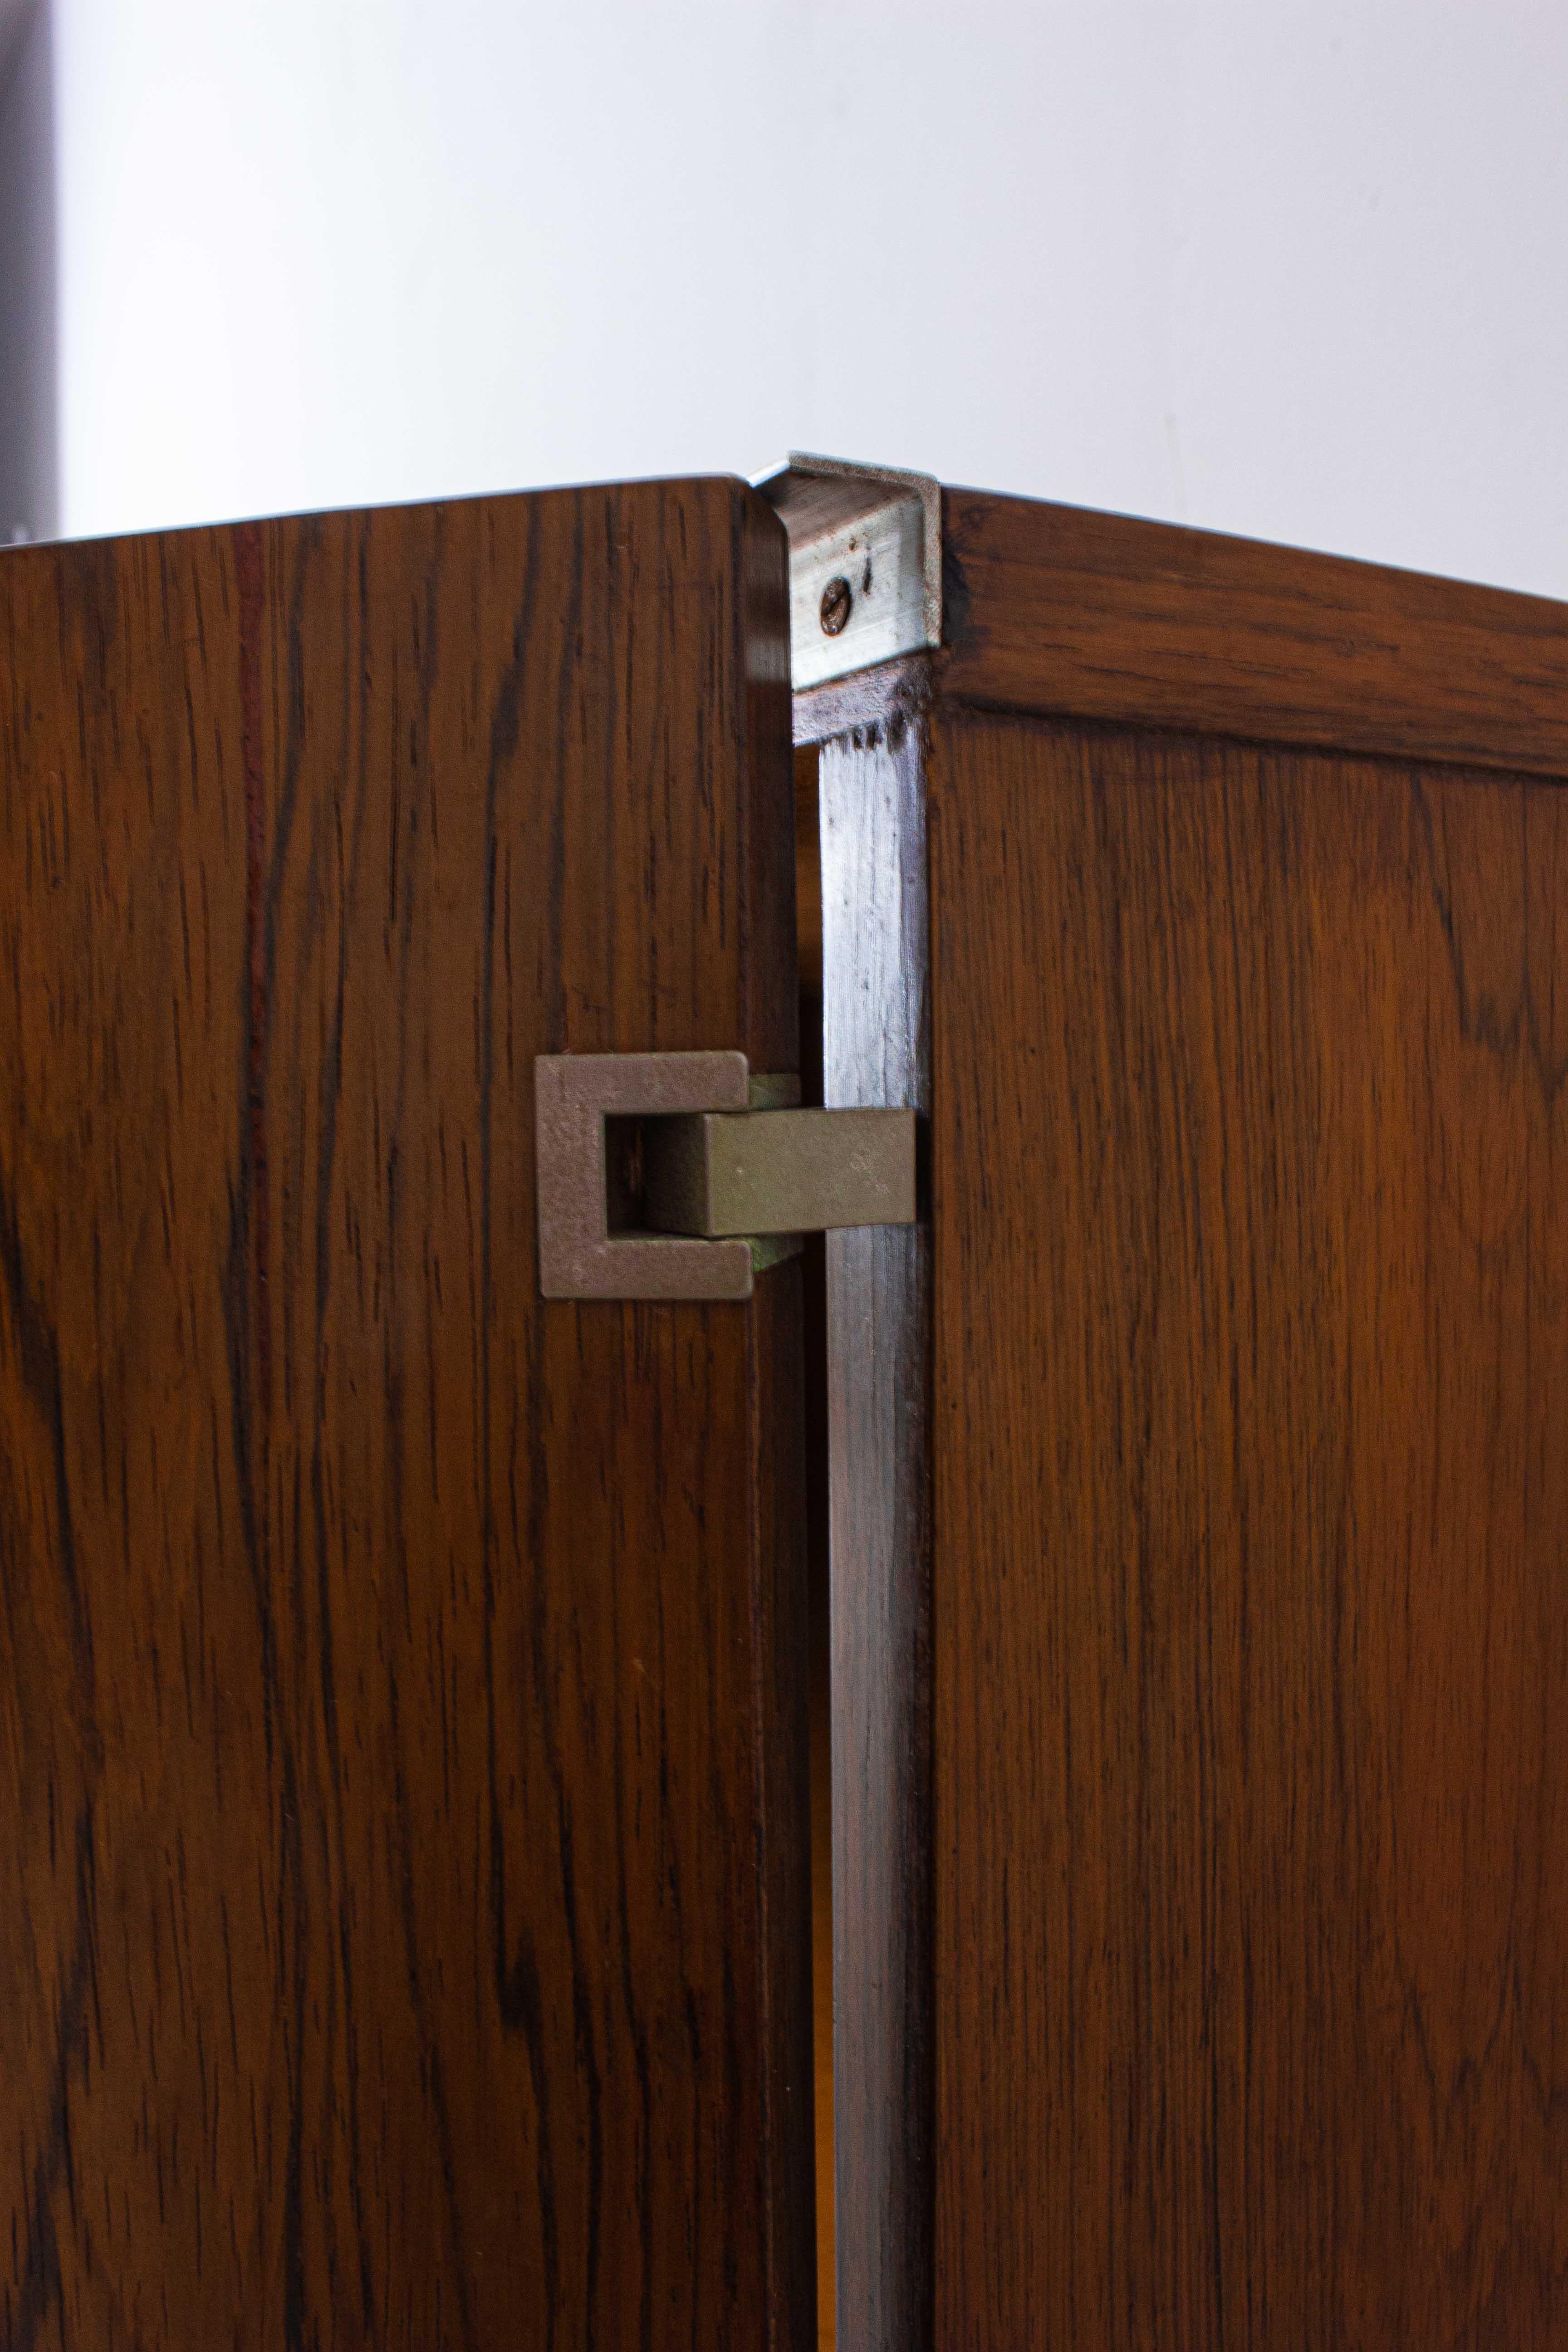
(681, 1176)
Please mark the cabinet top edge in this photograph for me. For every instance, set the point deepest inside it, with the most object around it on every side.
(1067, 612)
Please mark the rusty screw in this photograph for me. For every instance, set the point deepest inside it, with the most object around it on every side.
(836, 600)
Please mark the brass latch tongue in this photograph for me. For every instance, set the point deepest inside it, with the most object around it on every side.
(681, 1176)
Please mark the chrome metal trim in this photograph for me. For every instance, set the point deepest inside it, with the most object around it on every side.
(864, 545)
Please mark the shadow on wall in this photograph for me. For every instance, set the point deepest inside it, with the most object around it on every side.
(29, 445)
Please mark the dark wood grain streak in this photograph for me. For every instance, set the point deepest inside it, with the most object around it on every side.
(404, 1913)
(1250, 1657)
(877, 1050)
(1052, 609)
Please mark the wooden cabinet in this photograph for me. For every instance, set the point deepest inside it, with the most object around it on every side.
(405, 1921)
(1201, 1509)
(402, 1932)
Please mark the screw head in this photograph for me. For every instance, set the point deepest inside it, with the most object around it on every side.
(838, 600)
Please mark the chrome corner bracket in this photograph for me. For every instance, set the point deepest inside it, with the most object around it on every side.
(681, 1176)
(864, 563)
(587, 1247)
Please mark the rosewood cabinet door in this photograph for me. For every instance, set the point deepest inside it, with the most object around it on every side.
(1200, 1517)
(402, 1917)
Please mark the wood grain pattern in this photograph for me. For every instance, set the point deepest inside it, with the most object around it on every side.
(1051, 609)
(403, 1899)
(1250, 1657)
(877, 1050)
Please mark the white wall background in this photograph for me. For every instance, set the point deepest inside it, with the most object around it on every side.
(1299, 271)
(27, 376)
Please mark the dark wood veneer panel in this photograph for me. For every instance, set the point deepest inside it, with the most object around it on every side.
(403, 1910)
(1250, 1652)
(1054, 609)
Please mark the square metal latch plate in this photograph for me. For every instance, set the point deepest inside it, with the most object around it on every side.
(681, 1175)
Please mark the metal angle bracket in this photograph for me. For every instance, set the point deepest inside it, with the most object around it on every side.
(864, 563)
(681, 1175)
